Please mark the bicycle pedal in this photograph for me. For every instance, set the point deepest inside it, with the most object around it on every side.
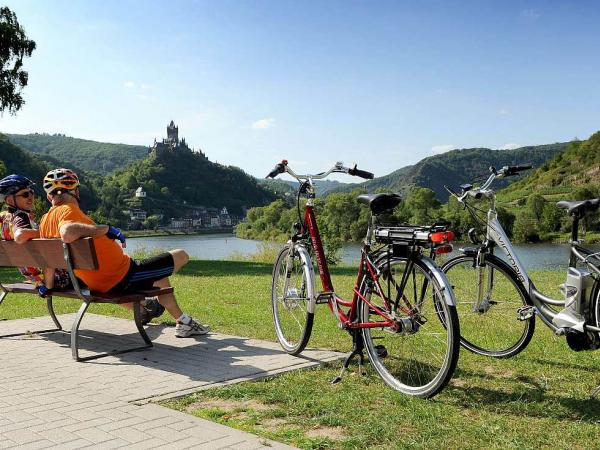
(381, 351)
(324, 297)
(525, 313)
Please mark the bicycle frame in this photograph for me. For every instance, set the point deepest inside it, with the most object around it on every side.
(348, 320)
(496, 233)
(366, 268)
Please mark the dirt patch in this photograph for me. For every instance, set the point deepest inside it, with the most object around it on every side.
(273, 424)
(333, 433)
(228, 405)
(489, 370)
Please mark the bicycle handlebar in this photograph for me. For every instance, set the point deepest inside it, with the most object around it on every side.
(509, 171)
(360, 173)
(483, 190)
(279, 168)
(337, 168)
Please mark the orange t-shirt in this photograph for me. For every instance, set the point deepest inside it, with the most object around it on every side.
(113, 263)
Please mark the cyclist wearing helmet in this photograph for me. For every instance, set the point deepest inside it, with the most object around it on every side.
(17, 223)
(117, 271)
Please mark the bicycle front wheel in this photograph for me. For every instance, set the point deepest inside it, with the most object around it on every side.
(292, 298)
(487, 301)
(418, 355)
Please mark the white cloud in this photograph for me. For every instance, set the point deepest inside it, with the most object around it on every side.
(531, 14)
(510, 146)
(503, 112)
(263, 124)
(129, 84)
(437, 149)
(145, 86)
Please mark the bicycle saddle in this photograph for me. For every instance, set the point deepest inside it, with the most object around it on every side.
(380, 202)
(579, 207)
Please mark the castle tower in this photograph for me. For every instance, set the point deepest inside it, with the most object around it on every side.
(173, 133)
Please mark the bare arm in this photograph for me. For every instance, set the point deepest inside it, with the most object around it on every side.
(72, 231)
(24, 235)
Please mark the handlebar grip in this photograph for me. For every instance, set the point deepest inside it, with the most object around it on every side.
(279, 168)
(521, 168)
(360, 173)
(514, 170)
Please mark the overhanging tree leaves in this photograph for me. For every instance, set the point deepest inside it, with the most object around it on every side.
(14, 46)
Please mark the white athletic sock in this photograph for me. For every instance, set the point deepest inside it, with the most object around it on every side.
(184, 319)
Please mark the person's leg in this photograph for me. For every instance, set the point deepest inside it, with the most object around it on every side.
(180, 259)
(168, 300)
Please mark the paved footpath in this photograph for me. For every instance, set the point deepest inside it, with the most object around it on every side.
(47, 400)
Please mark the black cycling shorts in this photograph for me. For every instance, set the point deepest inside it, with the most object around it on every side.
(143, 273)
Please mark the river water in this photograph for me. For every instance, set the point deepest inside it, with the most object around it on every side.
(223, 246)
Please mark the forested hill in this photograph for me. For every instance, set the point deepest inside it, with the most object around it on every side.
(179, 181)
(574, 174)
(92, 156)
(16, 160)
(458, 167)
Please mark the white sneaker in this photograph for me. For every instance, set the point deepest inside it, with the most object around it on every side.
(193, 328)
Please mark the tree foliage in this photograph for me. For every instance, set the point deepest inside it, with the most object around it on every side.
(14, 47)
(99, 157)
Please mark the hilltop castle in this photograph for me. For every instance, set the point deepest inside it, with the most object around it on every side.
(172, 143)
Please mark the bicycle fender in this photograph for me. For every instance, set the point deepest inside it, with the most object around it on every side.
(436, 272)
(306, 260)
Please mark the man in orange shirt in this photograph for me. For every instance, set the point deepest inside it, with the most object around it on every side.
(117, 271)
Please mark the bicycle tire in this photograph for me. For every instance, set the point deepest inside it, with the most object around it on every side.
(293, 311)
(402, 359)
(494, 330)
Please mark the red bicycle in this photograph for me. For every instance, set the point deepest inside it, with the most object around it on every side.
(402, 310)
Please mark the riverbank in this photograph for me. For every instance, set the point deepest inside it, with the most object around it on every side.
(538, 399)
(164, 232)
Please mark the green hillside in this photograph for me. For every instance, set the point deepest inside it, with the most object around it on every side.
(457, 167)
(179, 181)
(17, 160)
(569, 173)
(92, 156)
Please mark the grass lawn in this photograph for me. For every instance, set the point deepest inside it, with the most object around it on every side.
(536, 399)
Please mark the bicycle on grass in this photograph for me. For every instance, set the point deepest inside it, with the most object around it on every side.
(402, 309)
(496, 300)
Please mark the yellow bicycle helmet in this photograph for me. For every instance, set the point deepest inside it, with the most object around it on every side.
(59, 180)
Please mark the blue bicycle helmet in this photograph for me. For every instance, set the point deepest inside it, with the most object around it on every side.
(12, 184)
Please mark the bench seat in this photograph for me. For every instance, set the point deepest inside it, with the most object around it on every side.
(95, 297)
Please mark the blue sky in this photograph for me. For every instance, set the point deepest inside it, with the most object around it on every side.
(382, 84)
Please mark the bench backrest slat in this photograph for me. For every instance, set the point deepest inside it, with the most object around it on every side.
(48, 253)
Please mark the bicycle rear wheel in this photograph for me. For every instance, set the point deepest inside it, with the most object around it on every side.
(419, 354)
(491, 328)
(292, 298)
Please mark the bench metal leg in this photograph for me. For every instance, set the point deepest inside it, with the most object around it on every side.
(75, 334)
(137, 317)
(52, 314)
(50, 311)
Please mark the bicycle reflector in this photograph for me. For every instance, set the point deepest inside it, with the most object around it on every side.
(442, 237)
(445, 248)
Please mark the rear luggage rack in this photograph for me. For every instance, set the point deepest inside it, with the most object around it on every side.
(415, 235)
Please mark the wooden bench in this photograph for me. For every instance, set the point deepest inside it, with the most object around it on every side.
(80, 254)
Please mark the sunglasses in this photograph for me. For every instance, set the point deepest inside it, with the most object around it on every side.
(26, 194)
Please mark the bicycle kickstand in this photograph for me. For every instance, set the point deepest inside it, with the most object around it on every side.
(595, 392)
(357, 350)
